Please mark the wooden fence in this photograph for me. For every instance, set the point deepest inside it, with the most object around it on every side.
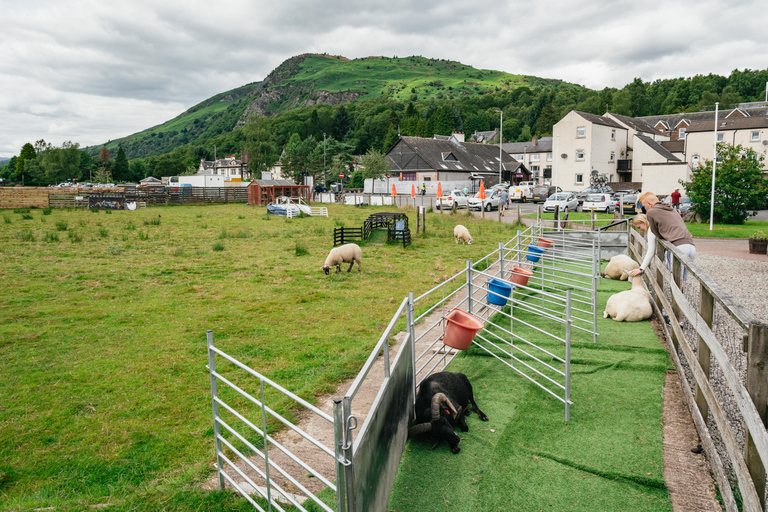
(67, 197)
(721, 354)
(24, 197)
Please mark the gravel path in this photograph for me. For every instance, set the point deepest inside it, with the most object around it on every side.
(744, 279)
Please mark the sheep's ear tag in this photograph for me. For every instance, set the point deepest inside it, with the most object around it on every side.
(447, 412)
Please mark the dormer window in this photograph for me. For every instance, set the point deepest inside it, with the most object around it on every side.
(449, 157)
(681, 134)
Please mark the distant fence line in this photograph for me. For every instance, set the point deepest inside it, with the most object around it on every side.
(70, 197)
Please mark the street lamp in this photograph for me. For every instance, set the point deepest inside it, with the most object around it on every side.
(501, 138)
(325, 183)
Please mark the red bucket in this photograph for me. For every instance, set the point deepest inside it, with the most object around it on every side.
(520, 275)
(543, 242)
(460, 329)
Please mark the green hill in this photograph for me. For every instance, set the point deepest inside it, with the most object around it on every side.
(310, 80)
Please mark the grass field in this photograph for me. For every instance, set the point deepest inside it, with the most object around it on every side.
(106, 398)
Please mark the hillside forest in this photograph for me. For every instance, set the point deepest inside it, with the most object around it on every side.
(324, 139)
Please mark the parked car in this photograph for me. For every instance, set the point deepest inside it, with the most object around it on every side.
(581, 196)
(621, 193)
(565, 200)
(685, 203)
(490, 202)
(599, 203)
(629, 205)
(542, 192)
(447, 201)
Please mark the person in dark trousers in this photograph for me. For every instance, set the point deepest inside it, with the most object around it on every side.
(423, 189)
(676, 199)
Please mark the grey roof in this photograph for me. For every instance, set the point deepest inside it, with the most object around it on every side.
(151, 179)
(661, 150)
(439, 155)
(490, 136)
(674, 146)
(601, 120)
(543, 145)
(674, 119)
(734, 123)
(635, 123)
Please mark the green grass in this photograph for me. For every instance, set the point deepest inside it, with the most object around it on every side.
(607, 457)
(106, 398)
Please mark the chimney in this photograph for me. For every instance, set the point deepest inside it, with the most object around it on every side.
(535, 141)
(459, 136)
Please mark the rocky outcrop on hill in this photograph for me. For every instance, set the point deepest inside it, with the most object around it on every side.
(273, 96)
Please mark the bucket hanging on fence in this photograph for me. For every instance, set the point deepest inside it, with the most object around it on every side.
(460, 329)
(534, 253)
(543, 242)
(520, 275)
(498, 292)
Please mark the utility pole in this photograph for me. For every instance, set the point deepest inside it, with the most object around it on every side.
(325, 183)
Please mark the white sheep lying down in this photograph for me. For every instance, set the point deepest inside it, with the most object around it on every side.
(460, 232)
(347, 253)
(630, 305)
(617, 265)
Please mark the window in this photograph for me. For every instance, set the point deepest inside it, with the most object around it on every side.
(581, 132)
(720, 137)
(535, 169)
(548, 172)
(549, 157)
(695, 161)
(579, 154)
(613, 156)
(681, 134)
(755, 136)
(535, 157)
(613, 134)
(520, 157)
(579, 179)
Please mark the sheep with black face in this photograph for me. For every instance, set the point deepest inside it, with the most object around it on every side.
(443, 400)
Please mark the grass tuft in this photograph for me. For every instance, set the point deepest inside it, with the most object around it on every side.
(218, 246)
(61, 225)
(51, 237)
(301, 249)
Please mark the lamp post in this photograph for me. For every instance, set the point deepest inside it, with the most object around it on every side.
(325, 184)
(501, 139)
(714, 165)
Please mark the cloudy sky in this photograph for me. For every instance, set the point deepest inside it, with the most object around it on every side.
(90, 71)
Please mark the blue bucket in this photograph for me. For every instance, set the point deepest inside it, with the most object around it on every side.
(498, 287)
(534, 253)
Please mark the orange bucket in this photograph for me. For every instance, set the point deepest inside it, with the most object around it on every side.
(460, 329)
(520, 275)
(543, 242)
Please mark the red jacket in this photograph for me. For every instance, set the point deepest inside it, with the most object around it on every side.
(675, 197)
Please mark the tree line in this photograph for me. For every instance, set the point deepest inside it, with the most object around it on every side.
(323, 140)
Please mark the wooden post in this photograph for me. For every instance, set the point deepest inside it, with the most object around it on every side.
(706, 311)
(757, 386)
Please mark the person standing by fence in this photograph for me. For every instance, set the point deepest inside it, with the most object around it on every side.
(423, 189)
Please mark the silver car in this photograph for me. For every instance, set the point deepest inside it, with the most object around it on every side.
(567, 202)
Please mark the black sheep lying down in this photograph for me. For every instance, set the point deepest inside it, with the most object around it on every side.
(443, 400)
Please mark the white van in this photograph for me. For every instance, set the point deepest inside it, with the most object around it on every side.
(522, 192)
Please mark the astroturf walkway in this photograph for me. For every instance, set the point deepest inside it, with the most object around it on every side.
(607, 457)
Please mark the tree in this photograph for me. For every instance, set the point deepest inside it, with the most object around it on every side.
(259, 145)
(739, 184)
(374, 164)
(121, 169)
(27, 153)
(55, 165)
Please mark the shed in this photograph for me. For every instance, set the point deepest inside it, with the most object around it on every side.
(264, 192)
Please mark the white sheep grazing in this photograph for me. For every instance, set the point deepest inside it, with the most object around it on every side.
(630, 305)
(617, 265)
(347, 253)
(460, 232)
